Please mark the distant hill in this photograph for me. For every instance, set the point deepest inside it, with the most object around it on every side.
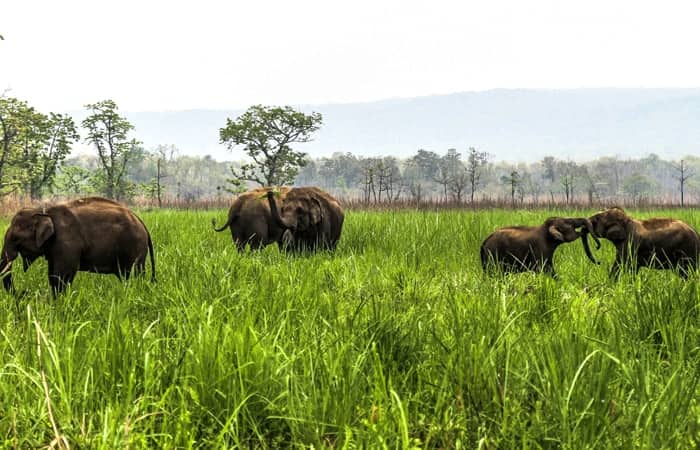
(517, 125)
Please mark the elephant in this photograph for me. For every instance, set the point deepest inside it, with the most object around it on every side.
(312, 219)
(251, 222)
(92, 234)
(660, 243)
(523, 248)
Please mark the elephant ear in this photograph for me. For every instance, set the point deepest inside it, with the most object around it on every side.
(616, 233)
(556, 234)
(44, 229)
(316, 211)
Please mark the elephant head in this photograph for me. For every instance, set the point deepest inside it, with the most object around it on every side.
(300, 215)
(611, 224)
(29, 230)
(564, 230)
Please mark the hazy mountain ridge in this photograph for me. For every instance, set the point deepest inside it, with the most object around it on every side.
(518, 125)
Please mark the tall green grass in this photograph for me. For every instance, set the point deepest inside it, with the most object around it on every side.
(395, 341)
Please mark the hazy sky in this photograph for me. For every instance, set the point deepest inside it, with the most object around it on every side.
(171, 55)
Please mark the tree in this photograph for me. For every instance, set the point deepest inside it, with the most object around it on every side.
(14, 116)
(513, 180)
(445, 168)
(549, 164)
(636, 186)
(265, 134)
(459, 181)
(162, 155)
(54, 137)
(569, 172)
(475, 162)
(32, 145)
(683, 174)
(427, 163)
(108, 132)
(590, 183)
(340, 171)
(73, 180)
(441, 175)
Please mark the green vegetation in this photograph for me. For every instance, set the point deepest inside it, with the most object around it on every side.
(396, 341)
(265, 133)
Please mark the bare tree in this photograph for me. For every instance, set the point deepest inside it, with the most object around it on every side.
(368, 180)
(569, 172)
(683, 173)
(442, 175)
(476, 160)
(459, 181)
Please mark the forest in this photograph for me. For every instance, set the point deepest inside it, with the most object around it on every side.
(37, 161)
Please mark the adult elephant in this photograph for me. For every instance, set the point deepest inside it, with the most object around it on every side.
(660, 243)
(91, 234)
(312, 218)
(250, 220)
(521, 248)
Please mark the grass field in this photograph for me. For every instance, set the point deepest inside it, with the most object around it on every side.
(395, 341)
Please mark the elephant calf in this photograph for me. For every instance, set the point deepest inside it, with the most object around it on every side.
(660, 243)
(520, 248)
(91, 234)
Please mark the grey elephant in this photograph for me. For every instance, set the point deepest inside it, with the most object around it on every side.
(251, 222)
(522, 248)
(91, 234)
(661, 243)
(312, 219)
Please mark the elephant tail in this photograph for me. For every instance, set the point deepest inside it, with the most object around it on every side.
(153, 257)
(228, 223)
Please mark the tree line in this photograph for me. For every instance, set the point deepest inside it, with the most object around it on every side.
(36, 161)
(474, 176)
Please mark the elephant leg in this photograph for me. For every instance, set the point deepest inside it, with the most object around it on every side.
(61, 275)
(255, 242)
(615, 269)
(137, 270)
(240, 245)
(59, 282)
(548, 269)
(685, 267)
(7, 282)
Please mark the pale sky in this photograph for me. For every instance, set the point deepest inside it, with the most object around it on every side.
(170, 55)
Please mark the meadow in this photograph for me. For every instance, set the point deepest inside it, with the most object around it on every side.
(397, 340)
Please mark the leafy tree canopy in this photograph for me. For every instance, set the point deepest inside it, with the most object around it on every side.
(265, 134)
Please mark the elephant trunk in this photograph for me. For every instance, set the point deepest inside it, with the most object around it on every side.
(275, 212)
(589, 230)
(584, 238)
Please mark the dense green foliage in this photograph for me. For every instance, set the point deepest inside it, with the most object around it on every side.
(265, 134)
(109, 132)
(395, 341)
(32, 146)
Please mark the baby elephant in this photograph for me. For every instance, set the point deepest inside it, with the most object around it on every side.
(520, 249)
(91, 234)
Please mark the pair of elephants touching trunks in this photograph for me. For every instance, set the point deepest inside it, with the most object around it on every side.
(99, 235)
(660, 243)
(297, 219)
